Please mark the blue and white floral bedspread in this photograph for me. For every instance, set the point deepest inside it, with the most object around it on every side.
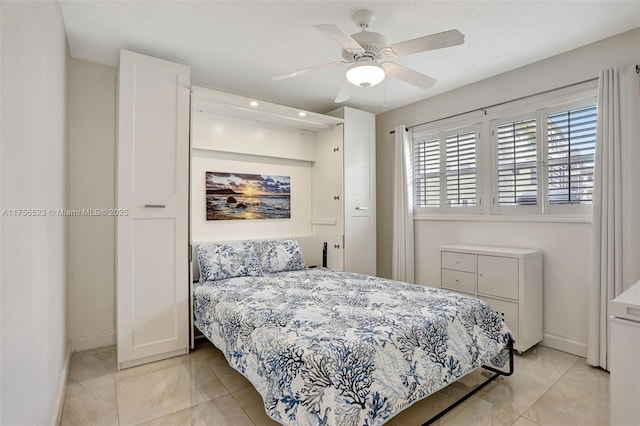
(332, 348)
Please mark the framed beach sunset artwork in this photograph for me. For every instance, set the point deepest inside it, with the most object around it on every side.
(246, 196)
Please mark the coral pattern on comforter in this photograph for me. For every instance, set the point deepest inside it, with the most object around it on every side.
(335, 348)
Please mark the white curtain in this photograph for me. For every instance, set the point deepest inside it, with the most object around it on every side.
(402, 267)
(615, 238)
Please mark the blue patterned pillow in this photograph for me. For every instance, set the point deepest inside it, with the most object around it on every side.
(220, 261)
(280, 255)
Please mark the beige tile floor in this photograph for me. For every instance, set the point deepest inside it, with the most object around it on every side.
(548, 387)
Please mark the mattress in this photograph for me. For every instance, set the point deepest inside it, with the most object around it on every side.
(324, 347)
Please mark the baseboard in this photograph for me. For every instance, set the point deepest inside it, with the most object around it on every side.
(564, 345)
(93, 342)
(62, 389)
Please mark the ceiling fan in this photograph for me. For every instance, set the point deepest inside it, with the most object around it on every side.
(365, 49)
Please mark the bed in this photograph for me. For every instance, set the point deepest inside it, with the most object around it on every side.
(324, 347)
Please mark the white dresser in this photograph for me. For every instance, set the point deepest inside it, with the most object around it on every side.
(508, 279)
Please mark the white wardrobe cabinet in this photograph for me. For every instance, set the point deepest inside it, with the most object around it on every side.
(344, 198)
(508, 279)
(152, 292)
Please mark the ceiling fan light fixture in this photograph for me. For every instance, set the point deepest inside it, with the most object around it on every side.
(366, 74)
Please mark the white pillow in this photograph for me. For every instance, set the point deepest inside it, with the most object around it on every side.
(220, 261)
(280, 255)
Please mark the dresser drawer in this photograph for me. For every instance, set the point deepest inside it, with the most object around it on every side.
(498, 276)
(460, 281)
(459, 261)
(507, 310)
(462, 293)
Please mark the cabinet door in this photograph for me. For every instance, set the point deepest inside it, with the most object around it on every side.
(359, 191)
(509, 313)
(153, 184)
(327, 201)
(625, 374)
(498, 276)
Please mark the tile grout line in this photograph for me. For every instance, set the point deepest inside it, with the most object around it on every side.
(547, 391)
(233, 396)
(115, 391)
(239, 405)
(537, 399)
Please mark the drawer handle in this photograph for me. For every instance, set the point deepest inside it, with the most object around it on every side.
(154, 206)
(457, 280)
(362, 208)
(457, 261)
(633, 312)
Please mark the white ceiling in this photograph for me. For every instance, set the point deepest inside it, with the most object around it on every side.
(238, 46)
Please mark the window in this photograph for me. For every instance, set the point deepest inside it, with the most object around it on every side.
(516, 145)
(427, 173)
(542, 159)
(571, 142)
(446, 171)
(567, 148)
(461, 183)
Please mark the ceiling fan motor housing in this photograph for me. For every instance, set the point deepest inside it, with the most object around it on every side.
(371, 42)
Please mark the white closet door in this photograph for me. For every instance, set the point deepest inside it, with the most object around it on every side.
(359, 192)
(152, 183)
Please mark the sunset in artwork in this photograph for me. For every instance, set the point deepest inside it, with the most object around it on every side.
(247, 196)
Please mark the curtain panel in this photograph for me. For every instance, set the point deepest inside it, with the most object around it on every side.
(615, 231)
(402, 264)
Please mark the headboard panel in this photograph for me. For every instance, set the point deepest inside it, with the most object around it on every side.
(310, 245)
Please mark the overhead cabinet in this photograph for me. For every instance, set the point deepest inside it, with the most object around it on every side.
(344, 197)
(153, 187)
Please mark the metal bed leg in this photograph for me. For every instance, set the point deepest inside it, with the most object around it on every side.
(496, 373)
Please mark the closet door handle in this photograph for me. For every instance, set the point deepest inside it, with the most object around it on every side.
(154, 206)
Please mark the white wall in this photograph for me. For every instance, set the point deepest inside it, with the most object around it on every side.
(92, 91)
(566, 246)
(33, 175)
(281, 148)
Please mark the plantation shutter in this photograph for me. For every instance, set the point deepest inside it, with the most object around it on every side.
(427, 173)
(571, 138)
(461, 169)
(516, 145)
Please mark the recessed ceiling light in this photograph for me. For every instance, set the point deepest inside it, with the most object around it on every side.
(302, 114)
(253, 103)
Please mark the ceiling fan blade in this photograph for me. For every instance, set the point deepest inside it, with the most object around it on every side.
(408, 75)
(430, 42)
(342, 38)
(345, 92)
(304, 70)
